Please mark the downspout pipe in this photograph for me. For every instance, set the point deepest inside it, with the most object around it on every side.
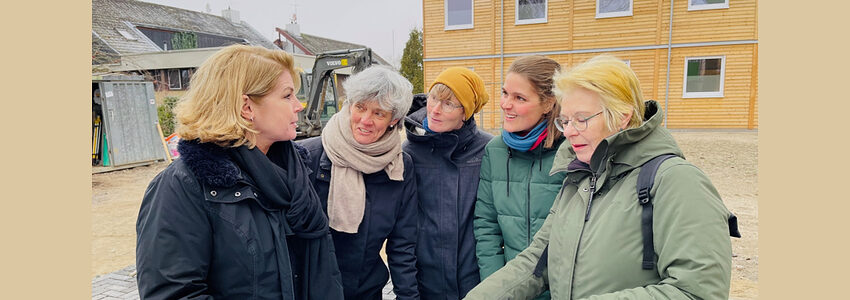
(502, 44)
(669, 59)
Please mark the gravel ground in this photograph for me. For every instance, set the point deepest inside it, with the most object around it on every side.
(729, 158)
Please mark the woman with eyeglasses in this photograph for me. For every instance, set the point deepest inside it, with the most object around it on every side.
(235, 217)
(446, 147)
(515, 191)
(594, 233)
(366, 185)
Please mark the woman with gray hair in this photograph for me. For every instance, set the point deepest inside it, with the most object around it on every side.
(366, 184)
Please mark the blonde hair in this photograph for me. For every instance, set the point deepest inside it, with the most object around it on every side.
(615, 83)
(539, 70)
(442, 92)
(211, 110)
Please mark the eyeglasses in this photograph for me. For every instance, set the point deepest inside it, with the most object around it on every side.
(580, 124)
(445, 105)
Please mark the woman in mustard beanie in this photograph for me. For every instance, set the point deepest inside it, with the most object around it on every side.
(446, 147)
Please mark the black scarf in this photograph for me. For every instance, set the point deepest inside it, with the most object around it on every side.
(282, 179)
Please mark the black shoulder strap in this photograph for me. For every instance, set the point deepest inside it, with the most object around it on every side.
(733, 226)
(542, 262)
(645, 180)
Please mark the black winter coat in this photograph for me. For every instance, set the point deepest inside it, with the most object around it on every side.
(203, 233)
(390, 215)
(447, 170)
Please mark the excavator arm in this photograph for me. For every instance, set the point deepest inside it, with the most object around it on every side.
(311, 124)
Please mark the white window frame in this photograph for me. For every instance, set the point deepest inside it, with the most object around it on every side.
(717, 94)
(544, 19)
(460, 26)
(127, 35)
(708, 6)
(618, 13)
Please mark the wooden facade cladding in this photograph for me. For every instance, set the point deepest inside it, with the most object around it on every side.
(730, 111)
(573, 34)
(738, 22)
(639, 29)
(478, 40)
(537, 37)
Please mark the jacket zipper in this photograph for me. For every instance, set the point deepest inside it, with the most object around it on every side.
(508, 168)
(581, 234)
(528, 206)
(590, 197)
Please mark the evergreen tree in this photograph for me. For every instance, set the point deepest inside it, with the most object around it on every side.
(411, 61)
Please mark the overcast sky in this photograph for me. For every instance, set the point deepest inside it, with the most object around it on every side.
(383, 25)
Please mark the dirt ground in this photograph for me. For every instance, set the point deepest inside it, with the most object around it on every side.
(729, 158)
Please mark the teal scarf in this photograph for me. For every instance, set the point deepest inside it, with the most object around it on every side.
(527, 142)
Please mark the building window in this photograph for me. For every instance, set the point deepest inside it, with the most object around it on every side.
(707, 4)
(185, 75)
(126, 35)
(174, 82)
(704, 77)
(531, 11)
(613, 8)
(458, 14)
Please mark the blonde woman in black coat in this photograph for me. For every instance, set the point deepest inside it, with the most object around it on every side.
(235, 217)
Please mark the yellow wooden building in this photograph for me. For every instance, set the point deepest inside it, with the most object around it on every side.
(702, 70)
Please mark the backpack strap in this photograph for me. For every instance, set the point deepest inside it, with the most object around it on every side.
(541, 263)
(646, 178)
(733, 226)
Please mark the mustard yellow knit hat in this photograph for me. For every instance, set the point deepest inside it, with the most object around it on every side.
(467, 87)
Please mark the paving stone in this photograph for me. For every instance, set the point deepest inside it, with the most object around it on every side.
(131, 289)
(116, 294)
(117, 288)
(122, 285)
(117, 276)
(97, 290)
(132, 296)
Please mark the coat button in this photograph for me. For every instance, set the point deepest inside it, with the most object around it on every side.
(237, 194)
(213, 193)
(584, 190)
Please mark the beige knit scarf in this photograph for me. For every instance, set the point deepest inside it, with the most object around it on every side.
(347, 192)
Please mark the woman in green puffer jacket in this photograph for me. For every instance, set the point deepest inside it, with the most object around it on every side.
(593, 233)
(515, 191)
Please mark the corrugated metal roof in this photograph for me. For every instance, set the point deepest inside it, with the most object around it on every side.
(110, 16)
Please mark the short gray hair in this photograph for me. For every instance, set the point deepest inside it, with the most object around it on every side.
(382, 84)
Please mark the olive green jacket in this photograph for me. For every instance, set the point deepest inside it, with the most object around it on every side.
(595, 250)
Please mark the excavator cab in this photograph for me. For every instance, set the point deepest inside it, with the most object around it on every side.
(319, 94)
(330, 105)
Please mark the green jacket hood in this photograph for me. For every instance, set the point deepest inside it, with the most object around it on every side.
(626, 149)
